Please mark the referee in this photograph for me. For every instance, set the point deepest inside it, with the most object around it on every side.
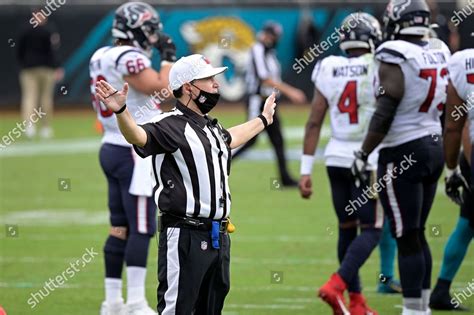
(263, 74)
(191, 166)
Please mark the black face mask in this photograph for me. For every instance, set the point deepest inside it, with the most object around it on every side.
(206, 101)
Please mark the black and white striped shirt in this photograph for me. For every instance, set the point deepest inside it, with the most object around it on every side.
(191, 163)
(263, 64)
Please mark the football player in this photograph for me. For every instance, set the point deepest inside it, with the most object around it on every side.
(344, 87)
(136, 30)
(412, 77)
(459, 106)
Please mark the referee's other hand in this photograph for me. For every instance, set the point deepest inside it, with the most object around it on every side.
(109, 96)
(269, 108)
(305, 186)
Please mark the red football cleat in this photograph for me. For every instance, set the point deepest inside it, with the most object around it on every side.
(332, 292)
(358, 305)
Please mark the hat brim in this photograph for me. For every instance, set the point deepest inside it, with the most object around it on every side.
(210, 73)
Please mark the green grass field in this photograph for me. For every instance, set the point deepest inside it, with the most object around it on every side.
(45, 228)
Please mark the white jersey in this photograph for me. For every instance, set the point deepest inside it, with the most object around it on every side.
(347, 84)
(461, 74)
(111, 64)
(425, 75)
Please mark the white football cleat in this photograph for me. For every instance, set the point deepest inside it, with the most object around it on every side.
(117, 308)
(139, 308)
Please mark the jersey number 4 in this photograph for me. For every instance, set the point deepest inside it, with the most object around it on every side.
(427, 74)
(348, 102)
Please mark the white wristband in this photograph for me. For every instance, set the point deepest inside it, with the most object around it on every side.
(306, 164)
(450, 172)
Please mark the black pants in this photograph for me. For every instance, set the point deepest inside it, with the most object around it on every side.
(410, 191)
(254, 108)
(193, 277)
(350, 202)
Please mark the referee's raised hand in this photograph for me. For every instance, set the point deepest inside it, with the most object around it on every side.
(108, 95)
(269, 108)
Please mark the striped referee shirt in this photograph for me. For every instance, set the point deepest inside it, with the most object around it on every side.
(263, 64)
(191, 163)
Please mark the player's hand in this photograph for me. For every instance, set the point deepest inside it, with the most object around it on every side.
(297, 96)
(109, 96)
(359, 169)
(454, 182)
(269, 108)
(166, 47)
(305, 186)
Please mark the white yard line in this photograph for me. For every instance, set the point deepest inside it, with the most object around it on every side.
(90, 145)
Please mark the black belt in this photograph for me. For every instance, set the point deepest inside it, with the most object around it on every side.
(203, 224)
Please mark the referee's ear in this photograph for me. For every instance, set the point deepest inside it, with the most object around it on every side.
(186, 89)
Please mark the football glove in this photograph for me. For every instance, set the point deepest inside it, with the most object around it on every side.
(359, 169)
(454, 181)
(166, 47)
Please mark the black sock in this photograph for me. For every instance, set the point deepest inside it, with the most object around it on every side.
(357, 253)
(136, 252)
(114, 251)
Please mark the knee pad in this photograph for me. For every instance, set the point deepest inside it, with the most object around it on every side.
(410, 243)
(115, 246)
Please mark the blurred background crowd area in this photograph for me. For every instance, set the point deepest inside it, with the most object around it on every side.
(223, 30)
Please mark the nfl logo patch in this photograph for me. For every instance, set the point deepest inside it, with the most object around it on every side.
(203, 245)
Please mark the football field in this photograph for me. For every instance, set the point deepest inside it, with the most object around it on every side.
(53, 215)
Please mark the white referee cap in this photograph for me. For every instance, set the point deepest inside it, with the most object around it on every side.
(192, 67)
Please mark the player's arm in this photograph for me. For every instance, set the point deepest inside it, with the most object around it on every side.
(149, 81)
(454, 124)
(314, 124)
(115, 101)
(392, 88)
(466, 143)
(242, 133)
(453, 133)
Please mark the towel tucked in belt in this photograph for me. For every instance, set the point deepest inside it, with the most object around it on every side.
(142, 180)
